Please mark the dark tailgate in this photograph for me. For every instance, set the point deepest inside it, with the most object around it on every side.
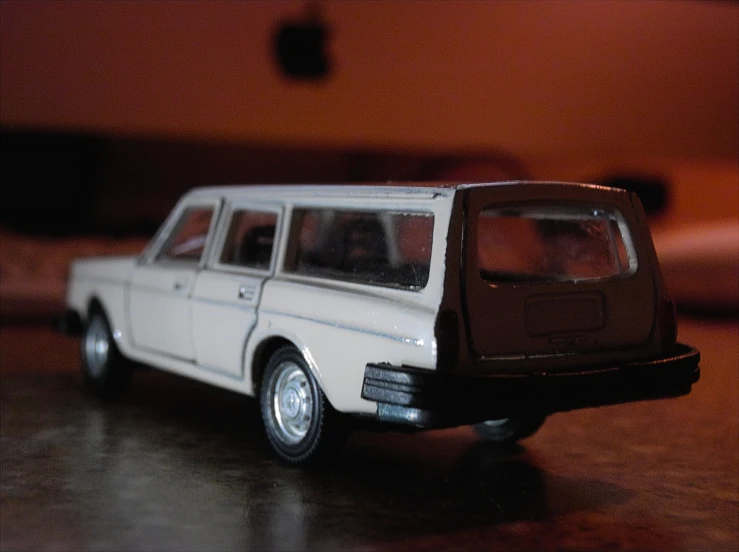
(525, 318)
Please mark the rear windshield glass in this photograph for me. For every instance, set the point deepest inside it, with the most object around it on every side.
(385, 248)
(546, 243)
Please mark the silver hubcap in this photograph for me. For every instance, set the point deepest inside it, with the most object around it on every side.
(96, 346)
(292, 403)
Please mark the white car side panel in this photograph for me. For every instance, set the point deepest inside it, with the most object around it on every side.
(206, 324)
(223, 315)
(102, 279)
(188, 370)
(160, 309)
(340, 331)
(110, 269)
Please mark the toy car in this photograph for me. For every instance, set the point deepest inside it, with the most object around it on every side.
(491, 305)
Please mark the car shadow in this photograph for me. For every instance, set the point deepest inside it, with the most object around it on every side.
(427, 480)
(172, 453)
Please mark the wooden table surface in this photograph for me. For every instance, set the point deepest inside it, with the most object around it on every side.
(177, 465)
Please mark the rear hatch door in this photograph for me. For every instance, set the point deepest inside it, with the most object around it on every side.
(554, 268)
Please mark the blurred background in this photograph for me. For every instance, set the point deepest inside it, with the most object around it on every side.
(109, 111)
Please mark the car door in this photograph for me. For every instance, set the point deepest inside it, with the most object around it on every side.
(226, 295)
(161, 286)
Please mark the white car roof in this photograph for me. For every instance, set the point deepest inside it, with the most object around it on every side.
(406, 190)
(289, 191)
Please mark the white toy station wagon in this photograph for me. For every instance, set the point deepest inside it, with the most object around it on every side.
(491, 305)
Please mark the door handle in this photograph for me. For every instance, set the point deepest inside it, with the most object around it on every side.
(177, 286)
(246, 293)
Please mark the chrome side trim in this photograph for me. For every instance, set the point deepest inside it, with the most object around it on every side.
(244, 305)
(408, 340)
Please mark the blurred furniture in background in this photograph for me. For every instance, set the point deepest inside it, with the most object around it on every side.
(107, 195)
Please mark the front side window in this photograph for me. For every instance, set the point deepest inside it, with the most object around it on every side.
(187, 240)
(250, 239)
(384, 248)
(553, 243)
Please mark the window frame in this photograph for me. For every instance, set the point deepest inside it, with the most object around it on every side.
(293, 237)
(214, 258)
(151, 255)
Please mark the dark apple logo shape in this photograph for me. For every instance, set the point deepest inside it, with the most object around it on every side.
(300, 48)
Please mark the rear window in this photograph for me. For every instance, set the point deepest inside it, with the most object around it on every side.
(553, 243)
(384, 248)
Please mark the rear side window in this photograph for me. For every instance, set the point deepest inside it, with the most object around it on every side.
(384, 248)
(250, 239)
(553, 243)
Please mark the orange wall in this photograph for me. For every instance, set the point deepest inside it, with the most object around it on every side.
(547, 78)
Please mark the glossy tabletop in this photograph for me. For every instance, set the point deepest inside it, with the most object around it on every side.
(177, 465)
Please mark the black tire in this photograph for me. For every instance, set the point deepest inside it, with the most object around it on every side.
(300, 423)
(510, 430)
(104, 369)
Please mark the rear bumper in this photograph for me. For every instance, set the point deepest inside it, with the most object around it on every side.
(424, 398)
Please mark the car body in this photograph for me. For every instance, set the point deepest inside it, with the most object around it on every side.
(426, 306)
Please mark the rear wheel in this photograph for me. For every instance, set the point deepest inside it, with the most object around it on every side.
(299, 422)
(104, 369)
(510, 430)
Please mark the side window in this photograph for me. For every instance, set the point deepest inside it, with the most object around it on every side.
(250, 239)
(384, 248)
(187, 240)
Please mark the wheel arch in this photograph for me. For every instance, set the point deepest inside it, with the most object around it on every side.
(94, 304)
(266, 348)
(263, 352)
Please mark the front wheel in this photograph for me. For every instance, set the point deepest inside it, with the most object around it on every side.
(510, 430)
(299, 422)
(104, 369)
